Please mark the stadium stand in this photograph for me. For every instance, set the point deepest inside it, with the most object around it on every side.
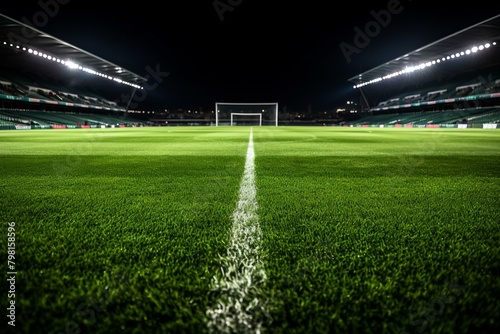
(37, 91)
(458, 84)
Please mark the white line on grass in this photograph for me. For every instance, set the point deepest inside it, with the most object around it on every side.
(239, 309)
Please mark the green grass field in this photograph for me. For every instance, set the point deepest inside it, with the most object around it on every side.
(364, 230)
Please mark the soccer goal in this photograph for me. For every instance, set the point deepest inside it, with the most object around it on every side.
(256, 114)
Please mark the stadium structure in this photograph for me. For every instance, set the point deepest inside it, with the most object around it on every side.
(452, 82)
(48, 83)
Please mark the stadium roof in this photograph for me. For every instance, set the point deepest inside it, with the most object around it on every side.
(482, 32)
(15, 32)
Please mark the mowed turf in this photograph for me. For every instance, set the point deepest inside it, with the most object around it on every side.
(118, 230)
(365, 230)
(380, 230)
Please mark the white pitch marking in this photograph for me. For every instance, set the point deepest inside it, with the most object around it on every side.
(239, 308)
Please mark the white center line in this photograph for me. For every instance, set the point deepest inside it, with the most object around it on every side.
(239, 308)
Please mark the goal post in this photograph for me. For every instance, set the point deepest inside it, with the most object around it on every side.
(237, 113)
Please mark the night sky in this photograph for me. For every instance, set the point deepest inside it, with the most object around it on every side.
(297, 53)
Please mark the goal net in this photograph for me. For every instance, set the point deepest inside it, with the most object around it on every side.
(256, 114)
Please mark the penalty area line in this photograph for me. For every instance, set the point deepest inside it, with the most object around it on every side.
(239, 308)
